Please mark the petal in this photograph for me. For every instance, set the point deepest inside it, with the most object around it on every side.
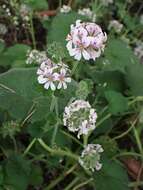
(78, 55)
(41, 79)
(63, 71)
(52, 86)
(59, 85)
(98, 166)
(69, 45)
(68, 79)
(39, 72)
(64, 85)
(86, 55)
(72, 52)
(46, 86)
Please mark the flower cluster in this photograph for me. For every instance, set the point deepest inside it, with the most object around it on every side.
(53, 75)
(65, 9)
(87, 40)
(87, 12)
(35, 56)
(25, 12)
(90, 157)
(80, 117)
(116, 25)
(17, 12)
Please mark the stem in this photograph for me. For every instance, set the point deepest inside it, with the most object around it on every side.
(82, 184)
(72, 184)
(14, 143)
(60, 178)
(138, 140)
(72, 137)
(57, 151)
(134, 184)
(128, 154)
(32, 31)
(126, 132)
(103, 119)
(29, 146)
(74, 68)
(54, 134)
(85, 140)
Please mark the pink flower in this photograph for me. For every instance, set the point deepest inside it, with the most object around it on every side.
(86, 40)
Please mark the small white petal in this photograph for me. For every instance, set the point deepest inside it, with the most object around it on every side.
(46, 86)
(59, 85)
(86, 55)
(64, 85)
(52, 86)
(78, 55)
(68, 79)
(41, 80)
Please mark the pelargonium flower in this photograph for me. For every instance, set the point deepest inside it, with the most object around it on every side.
(53, 75)
(86, 40)
(90, 157)
(35, 56)
(80, 117)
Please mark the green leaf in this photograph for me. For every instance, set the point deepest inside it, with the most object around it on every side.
(118, 104)
(36, 4)
(14, 54)
(118, 55)
(112, 176)
(36, 178)
(108, 80)
(17, 172)
(19, 91)
(134, 78)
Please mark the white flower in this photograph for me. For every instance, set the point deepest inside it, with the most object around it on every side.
(3, 29)
(90, 157)
(65, 9)
(53, 75)
(79, 117)
(116, 25)
(106, 2)
(35, 56)
(24, 10)
(86, 40)
(87, 12)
